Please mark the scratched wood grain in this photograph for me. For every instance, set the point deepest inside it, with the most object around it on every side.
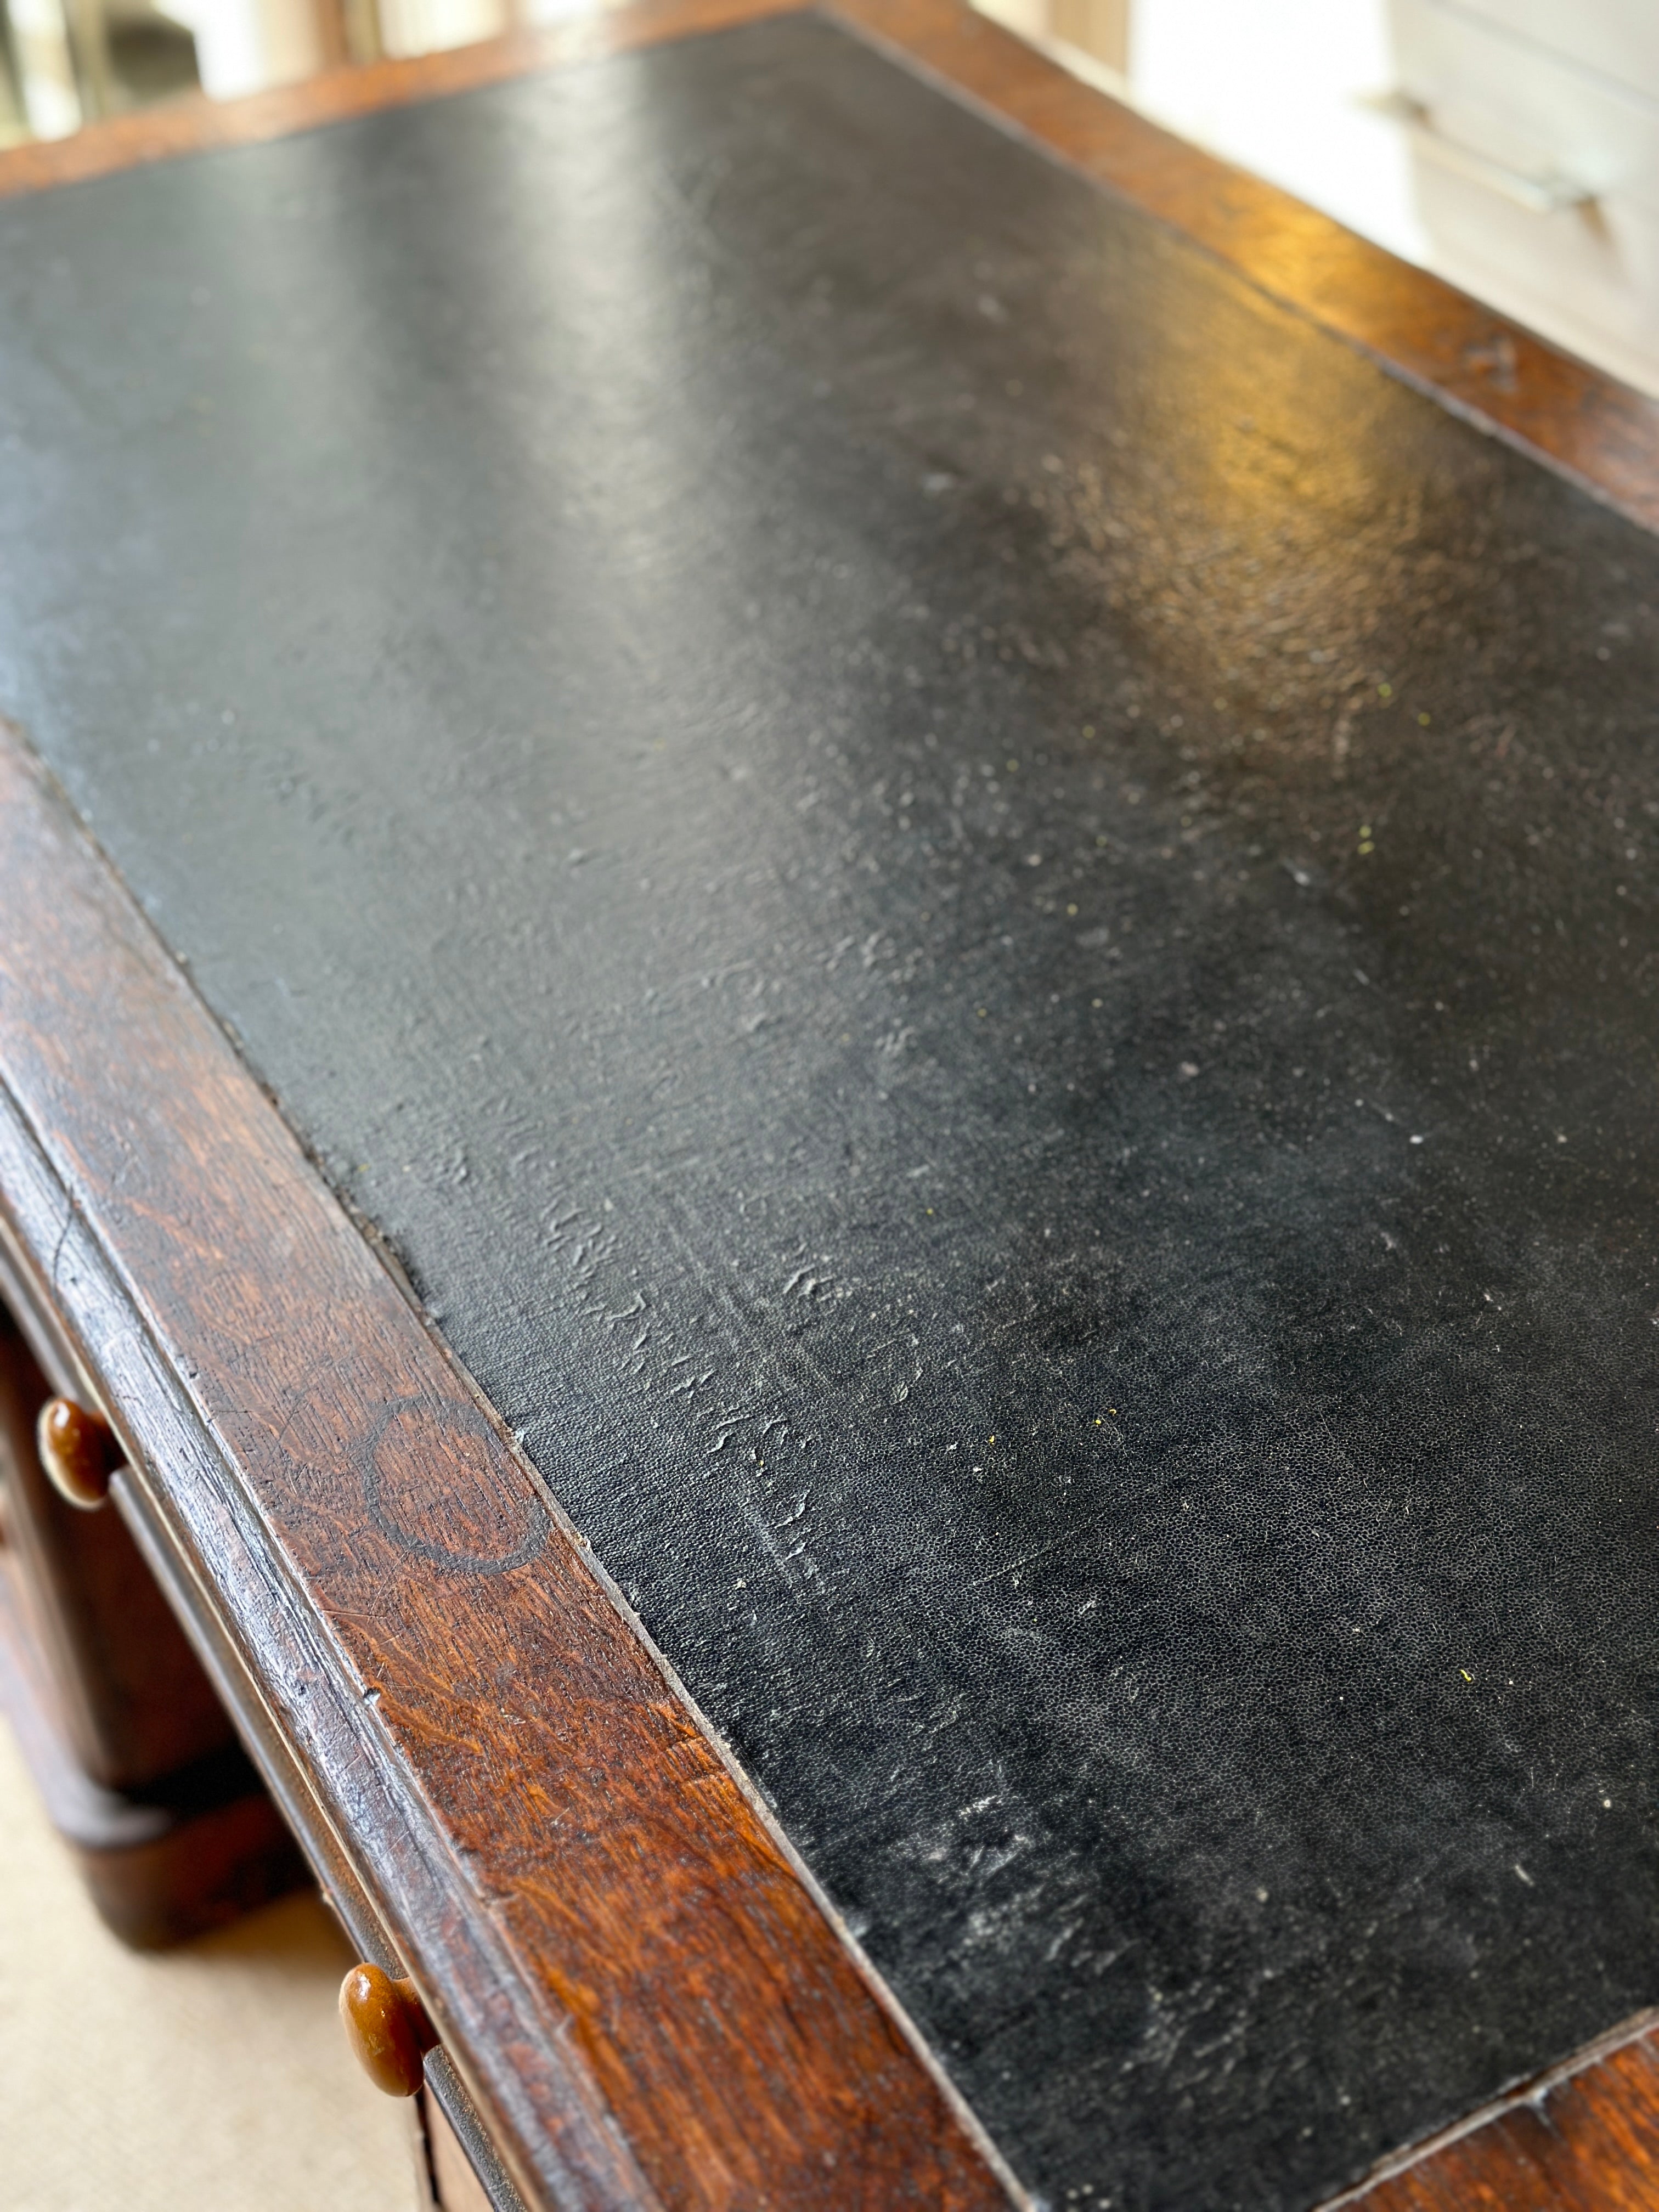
(648, 2003)
(1574, 418)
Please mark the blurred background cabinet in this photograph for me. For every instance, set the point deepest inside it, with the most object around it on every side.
(1534, 126)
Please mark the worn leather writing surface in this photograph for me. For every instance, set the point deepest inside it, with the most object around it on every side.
(981, 918)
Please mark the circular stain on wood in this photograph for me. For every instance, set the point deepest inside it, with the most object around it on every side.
(436, 1483)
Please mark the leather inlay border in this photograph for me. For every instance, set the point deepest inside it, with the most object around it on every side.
(647, 2000)
(1560, 410)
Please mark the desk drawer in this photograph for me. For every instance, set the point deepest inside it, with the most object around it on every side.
(1617, 39)
(1534, 114)
(135, 1702)
(134, 1758)
(1592, 287)
(1506, 131)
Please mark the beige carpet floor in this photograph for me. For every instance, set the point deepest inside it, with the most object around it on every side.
(212, 2079)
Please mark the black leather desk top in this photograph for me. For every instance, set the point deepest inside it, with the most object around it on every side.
(983, 918)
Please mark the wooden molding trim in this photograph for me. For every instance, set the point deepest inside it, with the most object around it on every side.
(1575, 418)
(649, 2003)
(1583, 2137)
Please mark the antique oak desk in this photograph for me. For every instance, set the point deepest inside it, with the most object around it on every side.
(827, 1008)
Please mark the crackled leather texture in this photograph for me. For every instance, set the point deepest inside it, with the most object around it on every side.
(981, 916)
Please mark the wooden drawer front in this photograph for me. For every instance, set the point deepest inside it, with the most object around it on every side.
(1530, 111)
(133, 1702)
(1618, 39)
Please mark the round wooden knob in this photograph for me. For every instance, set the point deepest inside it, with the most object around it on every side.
(387, 2027)
(78, 1451)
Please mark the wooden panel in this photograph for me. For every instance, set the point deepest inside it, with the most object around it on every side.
(648, 2003)
(133, 1756)
(160, 1866)
(1584, 2138)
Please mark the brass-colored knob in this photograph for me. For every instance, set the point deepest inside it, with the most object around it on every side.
(78, 1451)
(387, 2027)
